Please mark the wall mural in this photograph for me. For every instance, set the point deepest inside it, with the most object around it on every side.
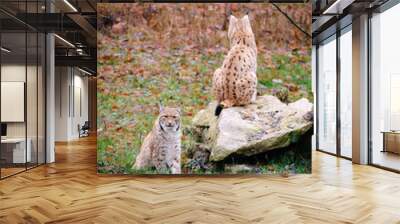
(204, 88)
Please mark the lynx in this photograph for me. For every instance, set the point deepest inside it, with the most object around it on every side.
(235, 82)
(162, 146)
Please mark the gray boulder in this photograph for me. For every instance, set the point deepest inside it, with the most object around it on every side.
(259, 127)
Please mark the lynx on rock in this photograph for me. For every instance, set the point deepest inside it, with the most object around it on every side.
(162, 146)
(235, 82)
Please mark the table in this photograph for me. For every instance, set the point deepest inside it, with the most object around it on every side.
(13, 150)
(391, 141)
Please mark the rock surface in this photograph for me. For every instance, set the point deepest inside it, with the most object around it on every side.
(262, 126)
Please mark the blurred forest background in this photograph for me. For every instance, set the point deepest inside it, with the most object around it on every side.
(149, 53)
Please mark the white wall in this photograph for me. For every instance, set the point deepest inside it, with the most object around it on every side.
(70, 83)
(80, 110)
(13, 100)
(33, 126)
(13, 72)
(62, 81)
(10, 73)
(16, 72)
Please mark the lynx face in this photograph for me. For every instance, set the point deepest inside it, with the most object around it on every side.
(239, 27)
(170, 119)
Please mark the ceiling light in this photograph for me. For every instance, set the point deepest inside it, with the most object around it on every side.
(65, 41)
(79, 51)
(84, 71)
(333, 6)
(5, 50)
(70, 5)
(338, 6)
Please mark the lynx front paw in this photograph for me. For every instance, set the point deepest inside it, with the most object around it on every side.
(175, 168)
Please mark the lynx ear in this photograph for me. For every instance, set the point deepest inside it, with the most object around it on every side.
(232, 20)
(246, 23)
(246, 19)
(232, 25)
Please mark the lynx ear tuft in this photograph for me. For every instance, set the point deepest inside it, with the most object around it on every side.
(232, 26)
(161, 107)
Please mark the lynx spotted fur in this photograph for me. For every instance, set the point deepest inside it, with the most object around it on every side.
(235, 83)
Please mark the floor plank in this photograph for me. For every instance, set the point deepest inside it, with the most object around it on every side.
(70, 191)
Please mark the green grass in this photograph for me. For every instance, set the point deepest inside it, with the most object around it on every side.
(289, 161)
(128, 98)
(293, 70)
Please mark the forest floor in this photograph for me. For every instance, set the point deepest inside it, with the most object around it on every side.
(128, 103)
(136, 73)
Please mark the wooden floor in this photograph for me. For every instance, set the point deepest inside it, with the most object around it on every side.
(5, 172)
(387, 159)
(70, 191)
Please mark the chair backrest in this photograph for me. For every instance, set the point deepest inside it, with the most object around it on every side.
(86, 125)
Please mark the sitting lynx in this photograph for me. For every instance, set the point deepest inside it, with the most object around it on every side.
(235, 83)
(162, 146)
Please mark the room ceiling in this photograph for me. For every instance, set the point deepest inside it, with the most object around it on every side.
(79, 27)
(72, 20)
(328, 15)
